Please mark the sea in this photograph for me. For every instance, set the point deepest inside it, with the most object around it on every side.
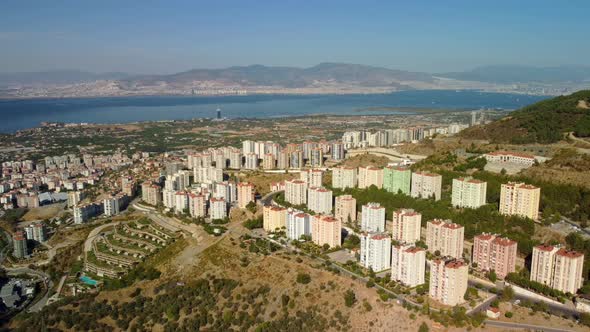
(21, 114)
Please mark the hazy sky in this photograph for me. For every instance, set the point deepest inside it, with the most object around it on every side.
(168, 36)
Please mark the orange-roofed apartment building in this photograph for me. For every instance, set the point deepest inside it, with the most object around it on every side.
(520, 199)
(448, 281)
(558, 268)
(319, 200)
(375, 251)
(408, 264)
(296, 192)
(245, 194)
(491, 252)
(468, 193)
(406, 226)
(326, 230)
(313, 177)
(274, 217)
(446, 237)
(369, 176)
(345, 208)
(567, 276)
(344, 177)
(426, 185)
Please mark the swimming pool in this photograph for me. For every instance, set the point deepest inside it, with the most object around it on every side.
(88, 281)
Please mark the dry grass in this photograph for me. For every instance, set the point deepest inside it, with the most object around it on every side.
(44, 212)
(262, 181)
(366, 160)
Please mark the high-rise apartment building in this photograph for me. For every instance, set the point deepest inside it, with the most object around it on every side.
(370, 176)
(446, 237)
(345, 208)
(375, 251)
(268, 161)
(19, 242)
(273, 218)
(448, 281)
(313, 177)
(559, 268)
(408, 265)
(326, 230)
(567, 276)
(246, 192)
(298, 224)
(296, 192)
(397, 179)
(426, 185)
(406, 226)
(543, 264)
(197, 205)
(520, 199)
(217, 208)
(319, 200)
(344, 177)
(491, 252)
(469, 193)
(251, 161)
(373, 218)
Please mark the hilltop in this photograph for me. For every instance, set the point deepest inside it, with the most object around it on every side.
(543, 122)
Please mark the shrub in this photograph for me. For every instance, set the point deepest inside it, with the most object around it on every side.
(303, 278)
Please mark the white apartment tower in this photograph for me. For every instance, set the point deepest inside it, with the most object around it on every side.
(406, 226)
(375, 251)
(426, 185)
(408, 265)
(319, 200)
(373, 218)
(296, 192)
(344, 177)
(520, 199)
(469, 193)
(446, 237)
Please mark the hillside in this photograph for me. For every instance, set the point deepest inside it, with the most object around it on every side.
(291, 77)
(542, 122)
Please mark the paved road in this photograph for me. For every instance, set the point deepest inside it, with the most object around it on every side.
(266, 199)
(94, 233)
(556, 309)
(509, 325)
(571, 222)
(171, 224)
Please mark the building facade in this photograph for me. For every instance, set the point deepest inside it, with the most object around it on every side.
(520, 199)
(468, 193)
(446, 237)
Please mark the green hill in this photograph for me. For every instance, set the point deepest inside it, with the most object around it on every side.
(542, 122)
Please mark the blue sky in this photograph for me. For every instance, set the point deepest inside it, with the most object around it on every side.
(170, 36)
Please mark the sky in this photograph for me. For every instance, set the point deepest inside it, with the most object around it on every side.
(170, 36)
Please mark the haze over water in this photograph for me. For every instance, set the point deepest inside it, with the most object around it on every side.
(21, 114)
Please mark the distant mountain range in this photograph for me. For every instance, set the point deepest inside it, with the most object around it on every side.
(325, 78)
(509, 74)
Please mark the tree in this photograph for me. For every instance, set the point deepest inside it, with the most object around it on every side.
(303, 278)
(251, 207)
(349, 298)
(423, 327)
(492, 276)
(507, 293)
